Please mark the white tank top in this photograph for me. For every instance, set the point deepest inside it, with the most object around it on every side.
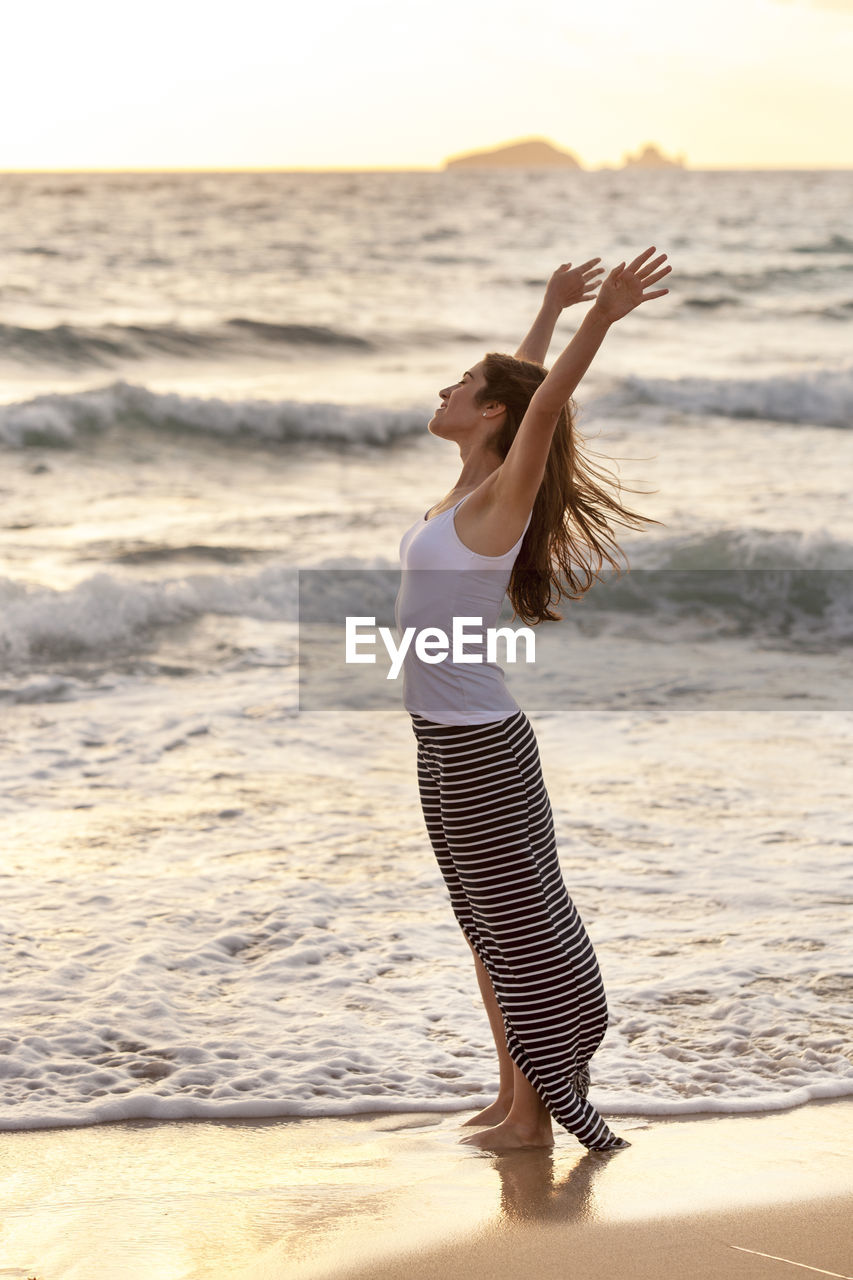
(441, 580)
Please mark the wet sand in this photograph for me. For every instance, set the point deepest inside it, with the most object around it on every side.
(397, 1196)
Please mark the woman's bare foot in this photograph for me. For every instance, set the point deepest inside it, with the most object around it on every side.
(493, 1114)
(512, 1136)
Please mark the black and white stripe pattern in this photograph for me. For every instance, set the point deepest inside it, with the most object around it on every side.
(489, 820)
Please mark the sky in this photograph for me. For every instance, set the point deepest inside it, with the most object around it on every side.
(348, 84)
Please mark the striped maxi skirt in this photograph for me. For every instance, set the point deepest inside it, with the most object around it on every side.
(489, 820)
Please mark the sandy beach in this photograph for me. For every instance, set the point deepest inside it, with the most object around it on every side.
(387, 1196)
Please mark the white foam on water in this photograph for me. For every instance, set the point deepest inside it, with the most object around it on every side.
(105, 616)
(238, 913)
(67, 419)
(818, 396)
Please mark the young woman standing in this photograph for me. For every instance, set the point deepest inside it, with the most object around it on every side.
(529, 517)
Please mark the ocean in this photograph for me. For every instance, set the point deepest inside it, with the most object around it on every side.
(218, 895)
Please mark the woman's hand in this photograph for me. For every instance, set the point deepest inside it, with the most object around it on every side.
(569, 284)
(626, 286)
(520, 474)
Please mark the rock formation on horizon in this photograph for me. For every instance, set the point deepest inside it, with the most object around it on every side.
(651, 157)
(532, 153)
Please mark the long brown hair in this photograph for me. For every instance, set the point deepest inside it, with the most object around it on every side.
(569, 538)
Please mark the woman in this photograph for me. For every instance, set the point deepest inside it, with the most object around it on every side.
(530, 516)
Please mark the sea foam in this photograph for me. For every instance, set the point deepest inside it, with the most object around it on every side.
(788, 588)
(244, 919)
(64, 420)
(819, 397)
(106, 617)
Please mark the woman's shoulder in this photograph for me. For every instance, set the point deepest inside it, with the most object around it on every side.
(487, 524)
(450, 502)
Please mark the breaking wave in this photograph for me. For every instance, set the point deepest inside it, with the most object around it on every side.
(64, 420)
(822, 397)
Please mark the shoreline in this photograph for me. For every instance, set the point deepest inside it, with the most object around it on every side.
(397, 1195)
(434, 1115)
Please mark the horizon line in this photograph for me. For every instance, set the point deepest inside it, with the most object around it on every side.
(604, 168)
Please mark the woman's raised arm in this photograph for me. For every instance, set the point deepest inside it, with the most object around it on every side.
(567, 286)
(627, 286)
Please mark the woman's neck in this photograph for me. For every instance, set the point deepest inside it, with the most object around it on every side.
(477, 466)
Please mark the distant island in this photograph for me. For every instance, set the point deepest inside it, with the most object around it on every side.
(539, 153)
(532, 153)
(651, 157)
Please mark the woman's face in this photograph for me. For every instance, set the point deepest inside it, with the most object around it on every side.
(459, 414)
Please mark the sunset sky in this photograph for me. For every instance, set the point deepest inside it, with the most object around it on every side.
(404, 84)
